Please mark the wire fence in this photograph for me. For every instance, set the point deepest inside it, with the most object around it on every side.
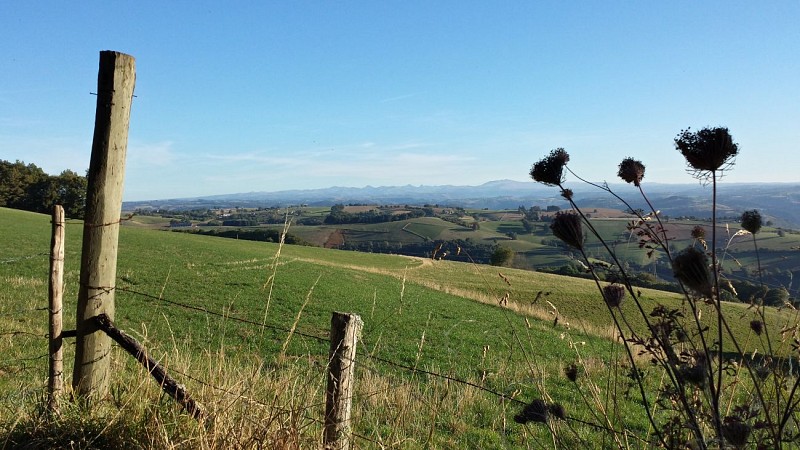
(361, 353)
(366, 360)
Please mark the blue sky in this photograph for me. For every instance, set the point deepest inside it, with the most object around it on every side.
(266, 96)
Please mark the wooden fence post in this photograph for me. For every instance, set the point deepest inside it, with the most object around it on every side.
(56, 364)
(345, 330)
(115, 83)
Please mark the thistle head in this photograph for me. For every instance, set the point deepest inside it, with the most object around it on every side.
(571, 371)
(535, 411)
(751, 221)
(736, 431)
(567, 227)
(757, 326)
(631, 171)
(694, 372)
(613, 294)
(690, 266)
(557, 411)
(550, 169)
(698, 232)
(707, 150)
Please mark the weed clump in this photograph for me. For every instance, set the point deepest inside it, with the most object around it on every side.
(705, 370)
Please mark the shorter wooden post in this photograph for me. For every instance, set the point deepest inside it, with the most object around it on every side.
(56, 351)
(345, 330)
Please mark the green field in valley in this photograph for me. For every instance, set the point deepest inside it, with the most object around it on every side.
(252, 318)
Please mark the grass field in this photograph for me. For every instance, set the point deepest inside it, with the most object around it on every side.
(246, 329)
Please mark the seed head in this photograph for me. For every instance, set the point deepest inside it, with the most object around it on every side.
(757, 326)
(698, 232)
(751, 221)
(566, 193)
(691, 267)
(535, 411)
(557, 411)
(550, 169)
(571, 371)
(695, 373)
(567, 227)
(707, 150)
(613, 294)
(631, 171)
(735, 431)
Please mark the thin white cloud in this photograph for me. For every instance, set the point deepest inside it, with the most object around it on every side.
(151, 154)
(346, 165)
(399, 97)
(52, 154)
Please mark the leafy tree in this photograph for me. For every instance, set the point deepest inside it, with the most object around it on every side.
(502, 256)
(28, 187)
(776, 297)
(17, 184)
(528, 225)
(70, 189)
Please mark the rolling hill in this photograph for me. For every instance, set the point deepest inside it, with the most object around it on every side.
(242, 322)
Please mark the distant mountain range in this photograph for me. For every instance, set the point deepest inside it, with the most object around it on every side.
(778, 202)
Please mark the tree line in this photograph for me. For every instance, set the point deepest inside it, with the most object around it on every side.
(28, 187)
(339, 216)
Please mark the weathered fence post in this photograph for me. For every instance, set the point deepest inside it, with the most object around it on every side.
(115, 84)
(345, 330)
(56, 364)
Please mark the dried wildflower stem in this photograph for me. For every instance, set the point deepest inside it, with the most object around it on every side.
(663, 244)
(761, 313)
(598, 405)
(271, 279)
(285, 346)
(715, 396)
(632, 361)
(762, 316)
(721, 322)
(670, 365)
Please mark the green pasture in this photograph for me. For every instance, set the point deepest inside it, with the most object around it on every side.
(406, 322)
(187, 297)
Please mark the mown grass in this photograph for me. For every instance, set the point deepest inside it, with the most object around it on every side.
(264, 386)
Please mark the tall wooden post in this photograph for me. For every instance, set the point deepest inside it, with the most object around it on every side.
(345, 330)
(115, 84)
(56, 366)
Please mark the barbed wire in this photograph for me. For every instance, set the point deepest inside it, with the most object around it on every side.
(442, 376)
(363, 352)
(322, 339)
(301, 410)
(223, 315)
(18, 312)
(14, 333)
(23, 258)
